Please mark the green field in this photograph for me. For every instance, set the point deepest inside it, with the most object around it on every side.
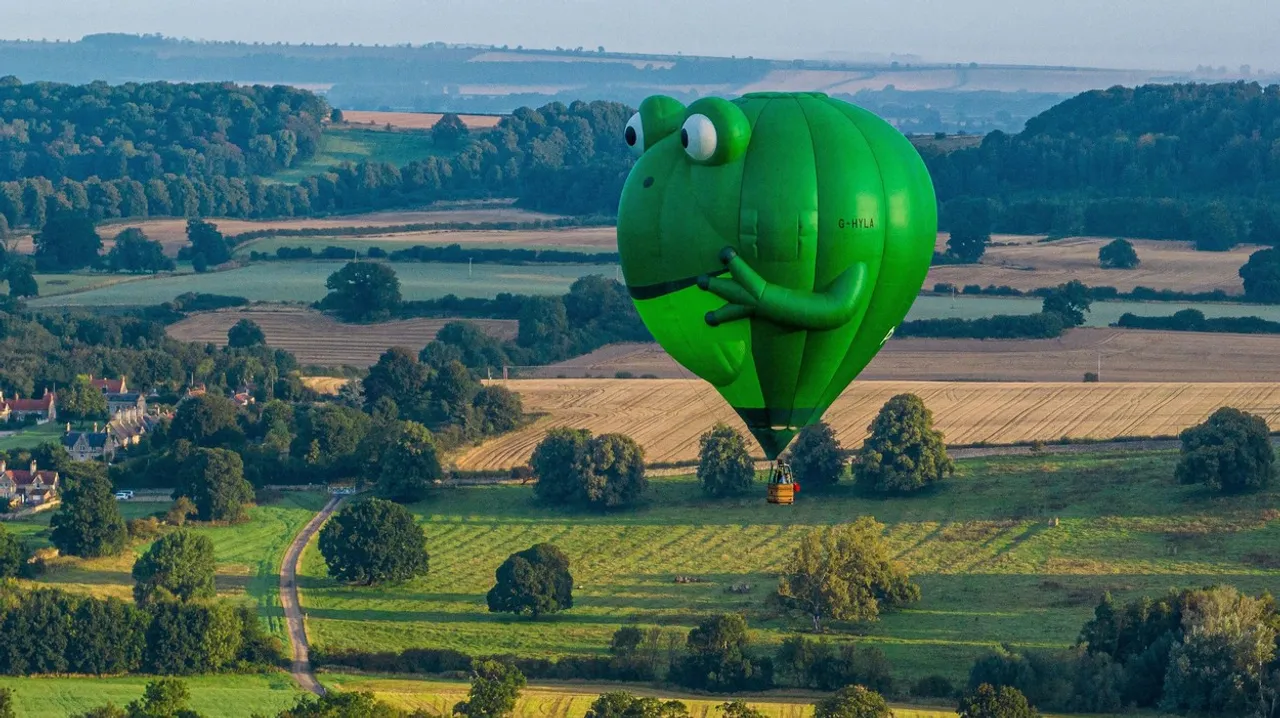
(51, 285)
(269, 245)
(33, 437)
(991, 568)
(304, 282)
(345, 144)
(248, 554)
(234, 696)
(1102, 313)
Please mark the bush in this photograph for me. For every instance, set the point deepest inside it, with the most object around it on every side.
(1230, 452)
(1118, 254)
(1090, 377)
(933, 686)
(601, 472)
(179, 566)
(495, 686)
(718, 658)
(853, 702)
(904, 452)
(533, 582)
(987, 702)
(724, 466)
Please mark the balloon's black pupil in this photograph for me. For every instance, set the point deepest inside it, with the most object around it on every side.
(631, 136)
(684, 138)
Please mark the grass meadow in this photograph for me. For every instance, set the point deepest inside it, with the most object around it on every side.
(991, 567)
(391, 243)
(233, 696)
(248, 554)
(348, 144)
(304, 281)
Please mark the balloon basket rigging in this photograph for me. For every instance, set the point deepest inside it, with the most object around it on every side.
(782, 487)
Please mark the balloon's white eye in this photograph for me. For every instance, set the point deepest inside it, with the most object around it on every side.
(634, 134)
(699, 137)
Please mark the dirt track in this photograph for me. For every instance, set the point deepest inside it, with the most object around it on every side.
(301, 668)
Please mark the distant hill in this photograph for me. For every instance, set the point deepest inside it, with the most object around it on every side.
(438, 77)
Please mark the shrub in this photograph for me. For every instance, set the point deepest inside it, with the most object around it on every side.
(933, 686)
(853, 702)
(1230, 452)
(724, 466)
(987, 702)
(815, 456)
(533, 582)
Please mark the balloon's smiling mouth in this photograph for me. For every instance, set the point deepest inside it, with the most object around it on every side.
(653, 291)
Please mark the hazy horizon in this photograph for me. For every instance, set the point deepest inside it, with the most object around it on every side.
(1140, 34)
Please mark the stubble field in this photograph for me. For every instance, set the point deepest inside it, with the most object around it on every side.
(315, 338)
(666, 416)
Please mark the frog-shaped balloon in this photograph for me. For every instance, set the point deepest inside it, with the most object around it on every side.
(772, 244)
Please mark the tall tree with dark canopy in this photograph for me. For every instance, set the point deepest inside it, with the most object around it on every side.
(495, 687)
(1118, 254)
(1213, 228)
(498, 409)
(133, 252)
(214, 481)
(969, 221)
(904, 452)
(988, 702)
(88, 523)
(560, 461)
(449, 132)
(724, 466)
(207, 242)
(602, 472)
(245, 333)
(1230, 452)
(1070, 301)
(400, 377)
(67, 241)
(617, 476)
(82, 400)
(853, 702)
(362, 291)
(21, 277)
(374, 541)
(206, 420)
(14, 554)
(179, 565)
(844, 573)
(621, 704)
(533, 582)
(1261, 275)
(409, 465)
(815, 456)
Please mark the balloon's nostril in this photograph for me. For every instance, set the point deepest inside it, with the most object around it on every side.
(648, 182)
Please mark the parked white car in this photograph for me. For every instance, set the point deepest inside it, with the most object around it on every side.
(124, 495)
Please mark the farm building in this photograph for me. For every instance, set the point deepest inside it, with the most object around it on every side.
(44, 409)
(30, 486)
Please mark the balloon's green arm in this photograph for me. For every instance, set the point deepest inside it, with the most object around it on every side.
(750, 295)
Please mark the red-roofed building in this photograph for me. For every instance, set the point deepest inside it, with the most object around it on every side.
(43, 409)
(109, 386)
(30, 486)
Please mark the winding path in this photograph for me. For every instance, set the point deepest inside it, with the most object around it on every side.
(301, 668)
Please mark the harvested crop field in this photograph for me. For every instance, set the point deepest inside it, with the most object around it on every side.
(1126, 355)
(415, 120)
(581, 239)
(667, 415)
(172, 232)
(1023, 263)
(318, 339)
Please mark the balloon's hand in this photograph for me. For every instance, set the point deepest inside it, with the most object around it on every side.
(743, 291)
(750, 295)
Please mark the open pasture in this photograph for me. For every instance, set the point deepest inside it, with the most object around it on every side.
(991, 565)
(304, 281)
(233, 695)
(1126, 355)
(1022, 263)
(340, 143)
(315, 338)
(248, 554)
(415, 120)
(666, 416)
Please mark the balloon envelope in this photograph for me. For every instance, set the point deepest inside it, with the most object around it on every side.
(772, 244)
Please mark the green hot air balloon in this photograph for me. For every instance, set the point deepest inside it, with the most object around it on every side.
(772, 244)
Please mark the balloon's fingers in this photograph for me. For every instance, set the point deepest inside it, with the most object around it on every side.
(729, 313)
(744, 275)
(727, 289)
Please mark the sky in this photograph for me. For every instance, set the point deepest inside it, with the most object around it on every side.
(1140, 34)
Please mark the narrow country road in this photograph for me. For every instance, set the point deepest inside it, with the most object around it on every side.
(301, 668)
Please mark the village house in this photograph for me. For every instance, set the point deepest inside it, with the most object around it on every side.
(109, 386)
(128, 401)
(29, 487)
(44, 409)
(126, 428)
